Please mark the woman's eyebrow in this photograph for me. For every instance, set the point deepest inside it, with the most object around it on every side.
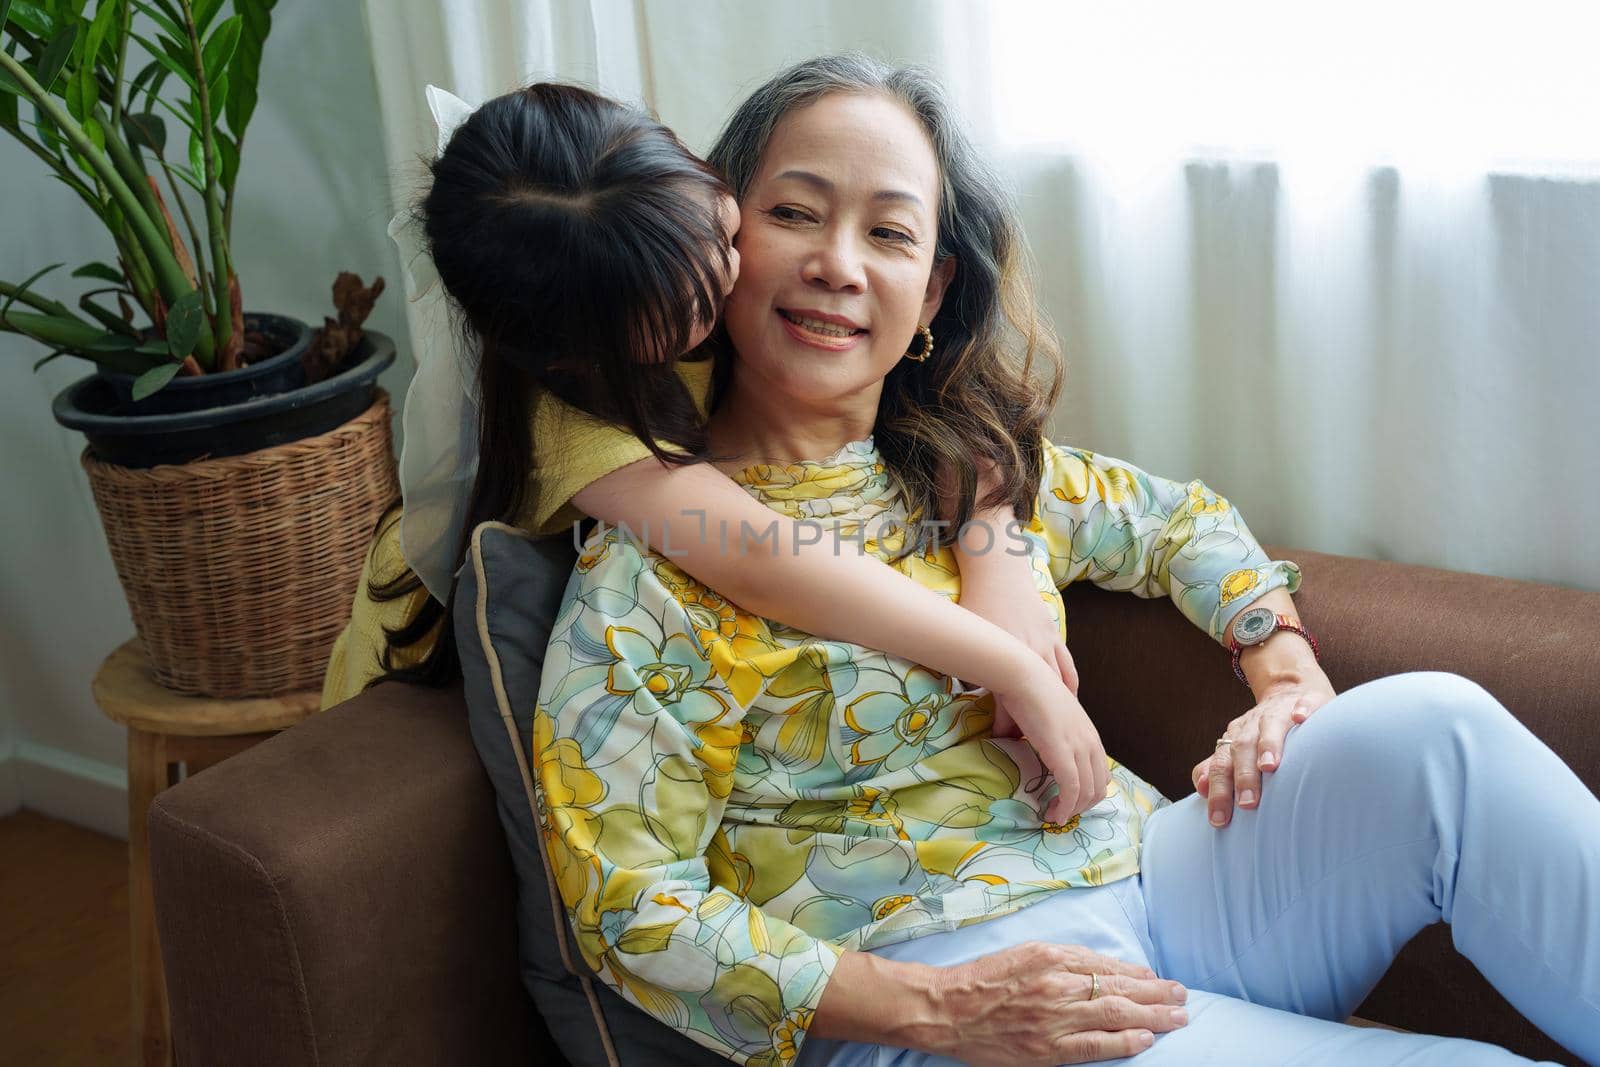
(822, 184)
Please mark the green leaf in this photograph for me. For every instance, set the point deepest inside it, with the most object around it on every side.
(140, 78)
(218, 92)
(9, 85)
(47, 129)
(55, 56)
(9, 117)
(172, 65)
(23, 288)
(47, 359)
(112, 342)
(79, 188)
(103, 271)
(5, 11)
(155, 75)
(183, 323)
(154, 348)
(183, 175)
(245, 70)
(95, 132)
(155, 379)
(153, 93)
(161, 20)
(171, 10)
(33, 18)
(82, 93)
(229, 151)
(197, 157)
(177, 49)
(218, 49)
(105, 16)
(179, 114)
(204, 12)
(147, 130)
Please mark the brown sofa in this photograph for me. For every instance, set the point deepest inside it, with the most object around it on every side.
(342, 894)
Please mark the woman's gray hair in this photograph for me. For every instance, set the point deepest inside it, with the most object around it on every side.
(985, 393)
(737, 152)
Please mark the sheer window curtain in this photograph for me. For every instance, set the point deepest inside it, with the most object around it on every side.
(1340, 261)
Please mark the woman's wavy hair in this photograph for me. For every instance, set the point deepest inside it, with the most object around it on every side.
(995, 374)
(579, 243)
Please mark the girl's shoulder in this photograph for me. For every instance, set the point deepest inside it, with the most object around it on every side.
(573, 449)
(552, 415)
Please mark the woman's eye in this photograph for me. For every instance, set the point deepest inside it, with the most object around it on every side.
(789, 214)
(889, 234)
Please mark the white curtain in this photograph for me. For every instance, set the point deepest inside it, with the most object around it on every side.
(1341, 263)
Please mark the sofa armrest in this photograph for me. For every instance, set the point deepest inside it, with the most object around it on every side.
(342, 894)
(1161, 692)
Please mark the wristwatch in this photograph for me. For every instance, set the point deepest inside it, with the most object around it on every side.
(1255, 626)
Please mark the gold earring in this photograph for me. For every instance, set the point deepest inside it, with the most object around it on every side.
(927, 345)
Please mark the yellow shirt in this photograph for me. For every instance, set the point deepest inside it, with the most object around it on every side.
(357, 656)
(571, 448)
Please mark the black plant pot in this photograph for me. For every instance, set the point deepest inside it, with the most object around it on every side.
(277, 374)
(227, 414)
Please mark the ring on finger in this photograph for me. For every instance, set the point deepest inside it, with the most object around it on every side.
(1094, 986)
(1224, 741)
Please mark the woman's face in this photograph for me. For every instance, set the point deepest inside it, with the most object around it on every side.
(836, 242)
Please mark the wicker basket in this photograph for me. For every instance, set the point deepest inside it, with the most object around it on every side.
(241, 571)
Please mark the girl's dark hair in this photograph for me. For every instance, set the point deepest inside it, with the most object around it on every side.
(580, 244)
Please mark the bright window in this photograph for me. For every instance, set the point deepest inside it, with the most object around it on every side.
(1429, 86)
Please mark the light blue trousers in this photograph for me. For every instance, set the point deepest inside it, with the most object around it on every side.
(1410, 800)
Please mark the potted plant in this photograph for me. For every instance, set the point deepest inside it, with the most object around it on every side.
(239, 459)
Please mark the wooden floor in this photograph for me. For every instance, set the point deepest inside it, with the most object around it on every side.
(65, 986)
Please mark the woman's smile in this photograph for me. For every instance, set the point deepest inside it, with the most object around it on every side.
(832, 333)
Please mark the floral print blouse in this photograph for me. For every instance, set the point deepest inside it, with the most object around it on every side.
(729, 803)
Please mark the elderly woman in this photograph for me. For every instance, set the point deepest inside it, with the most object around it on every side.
(787, 847)
(780, 845)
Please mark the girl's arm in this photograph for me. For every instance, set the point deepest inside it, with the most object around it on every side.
(834, 591)
(825, 589)
(997, 583)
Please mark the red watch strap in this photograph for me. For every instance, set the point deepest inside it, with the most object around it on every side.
(1284, 623)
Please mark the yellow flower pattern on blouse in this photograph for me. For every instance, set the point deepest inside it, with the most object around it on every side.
(731, 803)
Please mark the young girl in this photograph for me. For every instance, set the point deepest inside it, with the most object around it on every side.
(589, 251)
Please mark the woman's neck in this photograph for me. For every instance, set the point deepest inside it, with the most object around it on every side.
(755, 425)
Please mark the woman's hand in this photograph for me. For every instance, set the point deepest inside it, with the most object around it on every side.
(1058, 728)
(1258, 738)
(1029, 1005)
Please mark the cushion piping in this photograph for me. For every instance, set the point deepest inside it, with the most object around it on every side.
(504, 704)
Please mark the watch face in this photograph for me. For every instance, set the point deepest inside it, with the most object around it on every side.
(1253, 626)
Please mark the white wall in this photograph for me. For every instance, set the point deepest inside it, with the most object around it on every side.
(313, 200)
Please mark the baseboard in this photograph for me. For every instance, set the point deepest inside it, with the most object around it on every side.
(66, 786)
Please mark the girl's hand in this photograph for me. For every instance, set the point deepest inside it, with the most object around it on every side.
(1258, 737)
(1055, 724)
(1012, 602)
(1029, 1005)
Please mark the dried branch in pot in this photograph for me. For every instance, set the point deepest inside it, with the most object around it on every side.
(332, 344)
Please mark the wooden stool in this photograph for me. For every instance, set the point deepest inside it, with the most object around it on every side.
(166, 729)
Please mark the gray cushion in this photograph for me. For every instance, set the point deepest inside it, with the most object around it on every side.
(506, 617)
